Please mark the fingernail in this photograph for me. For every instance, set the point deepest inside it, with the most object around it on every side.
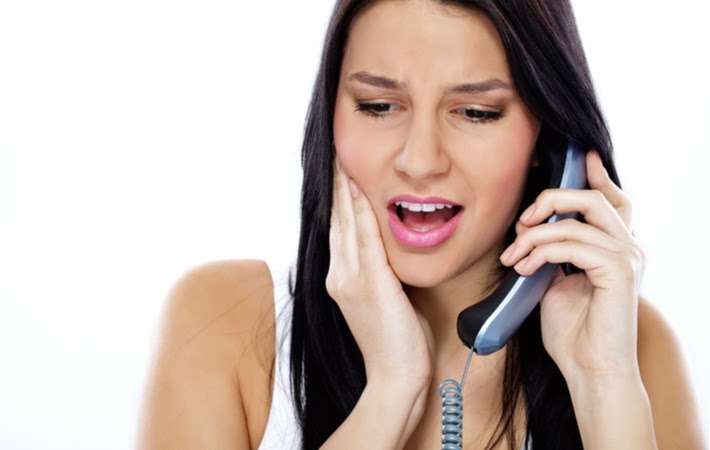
(522, 265)
(353, 189)
(528, 213)
(507, 253)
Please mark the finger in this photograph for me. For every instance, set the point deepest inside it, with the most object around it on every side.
(334, 206)
(590, 203)
(334, 277)
(598, 178)
(520, 228)
(546, 233)
(345, 218)
(369, 238)
(604, 267)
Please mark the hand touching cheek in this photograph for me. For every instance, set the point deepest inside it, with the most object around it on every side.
(368, 293)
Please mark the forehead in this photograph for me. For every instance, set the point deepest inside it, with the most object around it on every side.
(424, 39)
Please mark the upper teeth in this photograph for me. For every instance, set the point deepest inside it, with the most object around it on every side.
(426, 207)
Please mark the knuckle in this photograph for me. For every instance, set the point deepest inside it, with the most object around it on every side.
(622, 200)
(334, 285)
(340, 284)
(523, 238)
(570, 224)
(627, 270)
(363, 240)
(597, 196)
(331, 285)
(638, 255)
(536, 255)
(544, 196)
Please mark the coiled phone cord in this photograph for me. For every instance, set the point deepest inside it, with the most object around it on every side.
(452, 410)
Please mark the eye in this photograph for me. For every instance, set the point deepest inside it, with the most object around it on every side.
(377, 109)
(478, 115)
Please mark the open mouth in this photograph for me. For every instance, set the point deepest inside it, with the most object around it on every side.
(423, 217)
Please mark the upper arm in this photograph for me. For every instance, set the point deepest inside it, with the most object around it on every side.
(668, 383)
(210, 374)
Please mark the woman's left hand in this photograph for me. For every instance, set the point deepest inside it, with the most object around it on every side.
(588, 319)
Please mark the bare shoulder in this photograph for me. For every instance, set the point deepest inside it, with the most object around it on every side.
(211, 378)
(667, 380)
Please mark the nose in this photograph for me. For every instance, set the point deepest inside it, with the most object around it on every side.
(422, 155)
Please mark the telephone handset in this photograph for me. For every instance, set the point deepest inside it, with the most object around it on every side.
(489, 324)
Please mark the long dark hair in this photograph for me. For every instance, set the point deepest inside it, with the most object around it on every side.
(550, 73)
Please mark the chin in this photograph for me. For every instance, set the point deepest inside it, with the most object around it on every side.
(429, 270)
(419, 280)
(422, 272)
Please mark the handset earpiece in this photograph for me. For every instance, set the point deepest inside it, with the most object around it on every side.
(489, 324)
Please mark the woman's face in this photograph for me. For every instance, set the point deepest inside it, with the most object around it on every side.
(426, 114)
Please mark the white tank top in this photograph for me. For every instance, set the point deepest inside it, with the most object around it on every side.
(282, 430)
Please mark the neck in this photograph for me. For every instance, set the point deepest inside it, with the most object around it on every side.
(441, 305)
(483, 387)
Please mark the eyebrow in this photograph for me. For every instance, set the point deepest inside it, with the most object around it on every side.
(482, 86)
(466, 88)
(377, 81)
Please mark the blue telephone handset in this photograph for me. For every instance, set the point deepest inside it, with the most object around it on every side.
(489, 324)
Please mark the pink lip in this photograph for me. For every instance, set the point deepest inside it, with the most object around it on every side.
(419, 239)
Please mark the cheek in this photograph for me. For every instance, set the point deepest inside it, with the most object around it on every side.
(520, 144)
(346, 142)
(509, 183)
(504, 170)
(512, 171)
(357, 149)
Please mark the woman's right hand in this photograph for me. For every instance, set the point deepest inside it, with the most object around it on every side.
(395, 340)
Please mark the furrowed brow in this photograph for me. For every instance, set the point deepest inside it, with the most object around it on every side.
(377, 81)
(483, 86)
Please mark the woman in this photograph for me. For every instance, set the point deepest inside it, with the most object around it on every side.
(425, 160)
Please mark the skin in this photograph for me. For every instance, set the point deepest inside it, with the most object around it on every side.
(629, 384)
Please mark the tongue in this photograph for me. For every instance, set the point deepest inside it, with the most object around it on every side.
(425, 221)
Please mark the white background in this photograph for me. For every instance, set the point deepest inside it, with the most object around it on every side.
(139, 138)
